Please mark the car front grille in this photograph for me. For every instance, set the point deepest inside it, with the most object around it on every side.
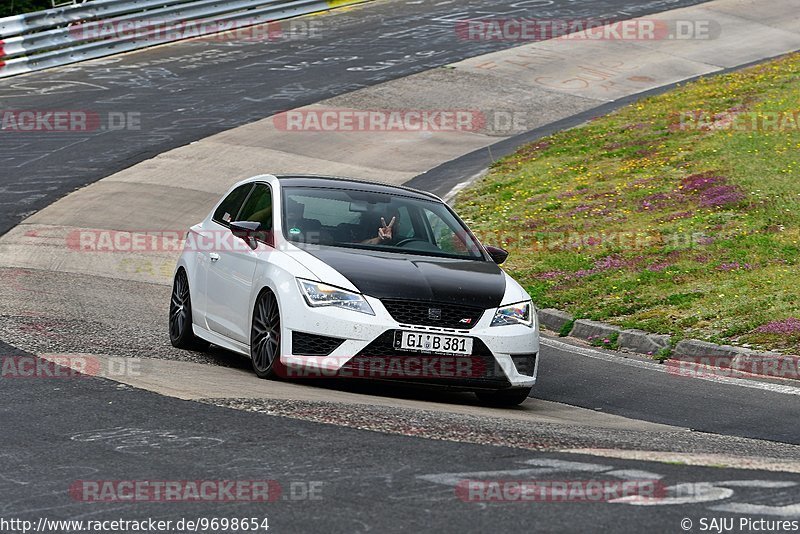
(304, 344)
(380, 359)
(415, 312)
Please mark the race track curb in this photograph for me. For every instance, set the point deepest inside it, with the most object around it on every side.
(664, 347)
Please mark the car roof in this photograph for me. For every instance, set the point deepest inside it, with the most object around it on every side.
(310, 180)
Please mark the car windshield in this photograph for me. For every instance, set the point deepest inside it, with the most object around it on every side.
(375, 221)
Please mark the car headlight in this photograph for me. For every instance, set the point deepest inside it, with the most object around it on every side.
(318, 294)
(519, 313)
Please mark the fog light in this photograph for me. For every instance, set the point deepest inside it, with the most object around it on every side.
(525, 363)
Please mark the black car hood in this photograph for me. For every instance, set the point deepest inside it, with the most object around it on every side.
(414, 277)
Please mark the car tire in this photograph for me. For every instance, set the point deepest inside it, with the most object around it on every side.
(181, 333)
(265, 336)
(504, 397)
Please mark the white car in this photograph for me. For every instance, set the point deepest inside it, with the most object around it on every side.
(324, 277)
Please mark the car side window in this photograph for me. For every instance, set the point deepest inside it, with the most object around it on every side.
(228, 208)
(258, 207)
(445, 237)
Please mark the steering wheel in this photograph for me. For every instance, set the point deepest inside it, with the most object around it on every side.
(407, 240)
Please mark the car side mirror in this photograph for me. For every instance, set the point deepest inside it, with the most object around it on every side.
(498, 254)
(250, 232)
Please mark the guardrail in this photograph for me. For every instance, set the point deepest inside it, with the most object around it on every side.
(60, 36)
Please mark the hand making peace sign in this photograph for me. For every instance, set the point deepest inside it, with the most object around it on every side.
(385, 230)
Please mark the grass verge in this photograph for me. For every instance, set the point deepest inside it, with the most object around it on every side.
(678, 215)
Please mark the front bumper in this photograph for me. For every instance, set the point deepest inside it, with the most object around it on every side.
(502, 357)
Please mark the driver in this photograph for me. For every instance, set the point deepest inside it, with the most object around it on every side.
(386, 231)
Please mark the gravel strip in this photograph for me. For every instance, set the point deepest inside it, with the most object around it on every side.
(505, 432)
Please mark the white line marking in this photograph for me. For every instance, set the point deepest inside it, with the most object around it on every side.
(687, 458)
(453, 192)
(791, 510)
(635, 474)
(756, 484)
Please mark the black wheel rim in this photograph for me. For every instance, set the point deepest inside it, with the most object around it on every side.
(266, 335)
(180, 308)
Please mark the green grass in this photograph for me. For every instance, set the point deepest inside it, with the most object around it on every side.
(17, 7)
(635, 220)
(611, 342)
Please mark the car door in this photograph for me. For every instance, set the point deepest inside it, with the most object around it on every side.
(231, 270)
(204, 238)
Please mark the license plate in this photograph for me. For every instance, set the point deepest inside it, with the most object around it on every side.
(432, 343)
